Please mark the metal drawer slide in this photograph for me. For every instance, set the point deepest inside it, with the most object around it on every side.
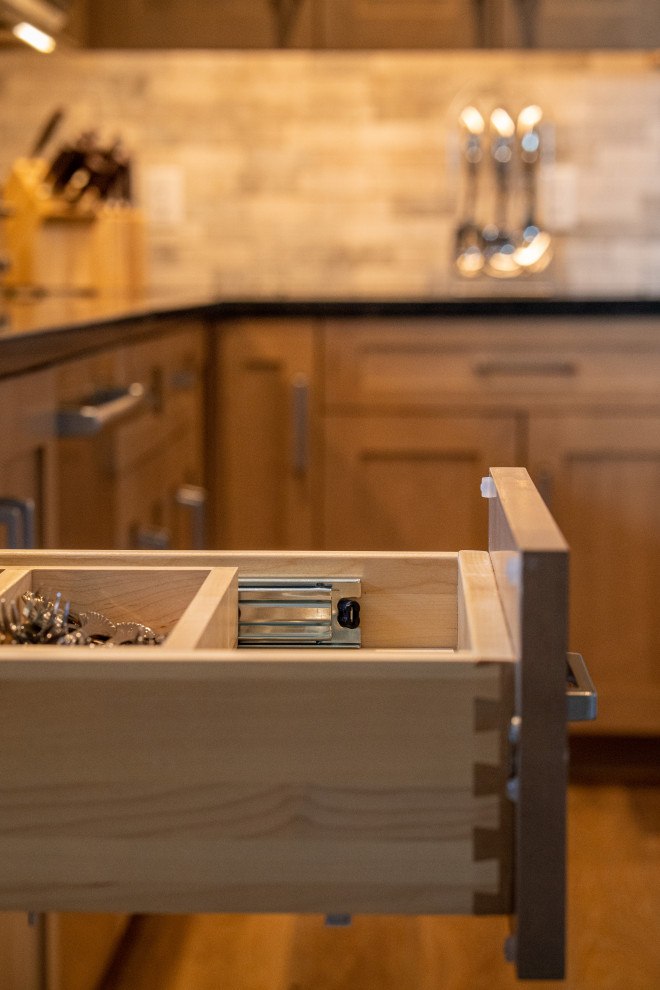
(310, 612)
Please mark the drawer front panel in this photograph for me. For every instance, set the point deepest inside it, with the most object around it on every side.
(431, 364)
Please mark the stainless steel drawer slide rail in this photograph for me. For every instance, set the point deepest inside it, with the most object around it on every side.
(310, 612)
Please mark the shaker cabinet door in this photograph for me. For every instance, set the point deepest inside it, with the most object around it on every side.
(265, 436)
(601, 478)
(411, 482)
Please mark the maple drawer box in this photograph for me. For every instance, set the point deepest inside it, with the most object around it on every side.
(423, 772)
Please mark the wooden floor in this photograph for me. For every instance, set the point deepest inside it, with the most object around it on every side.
(614, 920)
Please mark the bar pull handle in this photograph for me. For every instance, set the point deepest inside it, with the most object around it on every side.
(184, 379)
(522, 369)
(17, 515)
(581, 696)
(104, 409)
(151, 538)
(193, 498)
(300, 425)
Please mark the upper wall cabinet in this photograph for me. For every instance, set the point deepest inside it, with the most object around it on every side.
(372, 24)
(576, 24)
(204, 24)
(402, 24)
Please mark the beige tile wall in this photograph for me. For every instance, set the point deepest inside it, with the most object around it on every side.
(336, 175)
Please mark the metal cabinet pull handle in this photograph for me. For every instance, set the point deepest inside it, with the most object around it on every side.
(581, 696)
(521, 369)
(18, 517)
(300, 424)
(193, 497)
(184, 379)
(151, 538)
(103, 410)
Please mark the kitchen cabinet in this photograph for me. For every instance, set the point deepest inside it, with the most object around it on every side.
(369, 24)
(403, 417)
(413, 403)
(265, 435)
(397, 24)
(135, 480)
(28, 510)
(559, 24)
(205, 24)
(577, 24)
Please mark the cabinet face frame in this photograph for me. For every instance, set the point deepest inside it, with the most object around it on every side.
(405, 721)
(28, 454)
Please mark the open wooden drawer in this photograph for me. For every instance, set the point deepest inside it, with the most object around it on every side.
(423, 773)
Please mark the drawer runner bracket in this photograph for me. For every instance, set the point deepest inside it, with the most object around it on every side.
(306, 612)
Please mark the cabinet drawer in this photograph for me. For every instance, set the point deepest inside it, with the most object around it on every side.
(130, 455)
(434, 363)
(171, 372)
(193, 777)
(148, 513)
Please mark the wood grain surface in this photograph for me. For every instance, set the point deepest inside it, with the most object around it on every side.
(244, 783)
(613, 907)
(411, 596)
(530, 562)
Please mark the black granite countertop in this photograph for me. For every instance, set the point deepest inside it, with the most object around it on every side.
(468, 307)
(39, 332)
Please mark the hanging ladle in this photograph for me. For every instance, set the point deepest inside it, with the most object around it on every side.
(500, 246)
(468, 244)
(535, 249)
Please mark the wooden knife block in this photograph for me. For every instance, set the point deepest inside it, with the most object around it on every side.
(56, 247)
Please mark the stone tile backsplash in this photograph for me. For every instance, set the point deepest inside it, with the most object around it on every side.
(331, 174)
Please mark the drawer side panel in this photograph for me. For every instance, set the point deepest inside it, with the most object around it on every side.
(299, 784)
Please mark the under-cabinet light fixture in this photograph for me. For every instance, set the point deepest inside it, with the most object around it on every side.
(32, 36)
